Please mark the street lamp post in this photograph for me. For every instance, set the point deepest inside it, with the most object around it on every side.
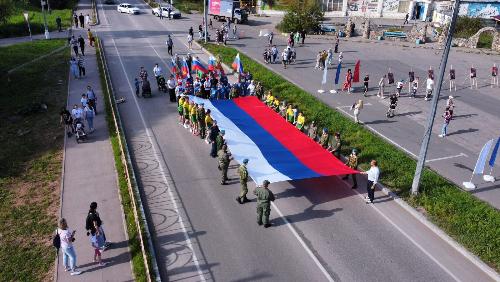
(437, 90)
(205, 18)
(27, 18)
(47, 35)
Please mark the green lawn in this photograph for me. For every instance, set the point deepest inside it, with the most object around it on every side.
(16, 25)
(30, 158)
(473, 223)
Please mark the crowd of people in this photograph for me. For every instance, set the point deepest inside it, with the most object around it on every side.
(214, 85)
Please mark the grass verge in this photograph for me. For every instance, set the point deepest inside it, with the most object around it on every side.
(16, 25)
(485, 40)
(138, 263)
(471, 222)
(31, 144)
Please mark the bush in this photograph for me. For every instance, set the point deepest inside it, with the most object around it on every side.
(467, 27)
(473, 223)
(5, 10)
(301, 16)
(15, 24)
(485, 40)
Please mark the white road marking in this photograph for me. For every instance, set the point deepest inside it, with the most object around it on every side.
(446, 158)
(408, 237)
(308, 251)
(381, 135)
(153, 145)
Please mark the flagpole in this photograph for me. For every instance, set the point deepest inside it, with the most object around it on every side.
(323, 81)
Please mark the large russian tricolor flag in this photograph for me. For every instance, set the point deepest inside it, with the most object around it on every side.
(276, 149)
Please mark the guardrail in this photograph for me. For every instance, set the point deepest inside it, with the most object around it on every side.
(95, 15)
(140, 217)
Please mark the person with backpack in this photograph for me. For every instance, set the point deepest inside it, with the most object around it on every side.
(63, 240)
(93, 225)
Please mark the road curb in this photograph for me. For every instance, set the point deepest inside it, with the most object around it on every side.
(417, 215)
(96, 15)
(441, 234)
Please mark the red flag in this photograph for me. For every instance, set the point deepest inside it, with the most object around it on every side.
(356, 72)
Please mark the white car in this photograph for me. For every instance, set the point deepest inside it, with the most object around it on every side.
(127, 8)
(173, 13)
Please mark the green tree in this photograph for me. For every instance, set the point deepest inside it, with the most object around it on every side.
(301, 15)
(6, 9)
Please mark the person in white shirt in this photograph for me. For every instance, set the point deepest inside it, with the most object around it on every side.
(77, 113)
(157, 71)
(428, 89)
(87, 19)
(373, 175)
(84, 100)
(171, 88)
(190, 41)
(251, 88)
(67, 236)
(399, 87)
(381, 87)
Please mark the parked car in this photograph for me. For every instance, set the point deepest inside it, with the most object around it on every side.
(326, 28)
(175, 14)
(127, 8)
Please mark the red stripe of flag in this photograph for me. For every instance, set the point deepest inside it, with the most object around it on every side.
(302, 147)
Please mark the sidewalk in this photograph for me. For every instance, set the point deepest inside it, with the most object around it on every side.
(21, 39)
(89, 175)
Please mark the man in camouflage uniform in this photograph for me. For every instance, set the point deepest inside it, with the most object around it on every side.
(200, 115)
(312, 131)
(219, 141)
(243, 173)
(264, 199)
(224, 160)
(352, 162)
(335, 145)
(323, 140)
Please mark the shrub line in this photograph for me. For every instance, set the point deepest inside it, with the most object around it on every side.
(124, 166)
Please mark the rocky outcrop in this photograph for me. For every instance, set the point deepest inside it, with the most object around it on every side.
(473, 40)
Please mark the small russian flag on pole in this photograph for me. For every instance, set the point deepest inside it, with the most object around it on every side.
(198, 66)
(211, 63)
(237, 66)
(185, 69)
(172, 66)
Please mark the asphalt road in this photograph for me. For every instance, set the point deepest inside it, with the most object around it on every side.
(475, 115)
(200, 233)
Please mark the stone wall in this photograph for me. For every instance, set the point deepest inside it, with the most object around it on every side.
(472, 41)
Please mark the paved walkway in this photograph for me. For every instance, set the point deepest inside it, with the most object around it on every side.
(21, 39)
(89, 175)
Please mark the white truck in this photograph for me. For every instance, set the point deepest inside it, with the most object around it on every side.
(227, 9)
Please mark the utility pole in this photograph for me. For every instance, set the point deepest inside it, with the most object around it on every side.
(437, 90)
(205, 18)
(47, 35)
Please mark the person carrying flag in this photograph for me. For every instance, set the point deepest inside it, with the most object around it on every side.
(348, 82)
